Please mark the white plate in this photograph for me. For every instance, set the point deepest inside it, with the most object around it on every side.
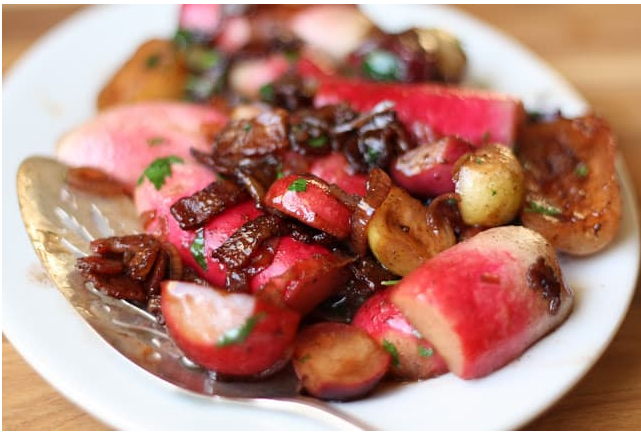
(53, 88)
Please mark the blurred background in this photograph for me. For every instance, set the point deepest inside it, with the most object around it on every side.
(597, 48)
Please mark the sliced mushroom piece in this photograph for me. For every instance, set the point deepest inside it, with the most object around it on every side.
(403, 233)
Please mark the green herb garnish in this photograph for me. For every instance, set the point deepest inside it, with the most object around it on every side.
(382, 65)
(239, 334)
(390, 283)
(478, 160)
(279, 171)
(391, 349)
(247, 127)
(159, 170)
(304, 358)
(372, 155)
(318, 141)
(267, 92)
(493, 193)
(292, 55)
(155, 141)
(451, 202)
(298, 185)
(197, 249)
(183, 39)
(425, 352)
(581, 170)
(153, 61)
(542, 209)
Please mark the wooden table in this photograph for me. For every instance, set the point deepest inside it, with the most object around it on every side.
(597, 48)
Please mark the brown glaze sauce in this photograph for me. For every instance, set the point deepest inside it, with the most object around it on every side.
(541, 278)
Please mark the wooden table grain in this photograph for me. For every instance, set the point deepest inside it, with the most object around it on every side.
(597, 48)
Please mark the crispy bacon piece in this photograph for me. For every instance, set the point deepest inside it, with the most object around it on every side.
(196, 210)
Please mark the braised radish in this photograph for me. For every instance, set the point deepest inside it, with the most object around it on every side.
(413, 357)
(309, 201)
(426, 171)
(338, 362)
(572, 194)
(233, 334)
(125, 140)
(484, 301)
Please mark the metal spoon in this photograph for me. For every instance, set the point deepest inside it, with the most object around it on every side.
(61, 222)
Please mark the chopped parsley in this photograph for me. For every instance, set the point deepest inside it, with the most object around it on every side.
(493, 193)
(298, 185)
(155, 141)
(390, 283)
(200, 59)
(183, 39)
(153, 61)
(159, 170)
(581, 170)
(391, 349)
(292, 55)
(425, 352)
(247, 127)
(267, 92)
(542, 209)
(279, 171)
(197, 249)
(372, 155)
(451, 202)
(382, 65)
(478, 160)
(318, 141)
(304, 358)
(240, 333)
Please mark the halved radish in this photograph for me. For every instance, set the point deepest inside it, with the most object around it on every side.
(338, 362)
(482, 302)
(308, 201)
(477, 116)
(413, 357)
(233, 334)
(311, 275)
(335, 169)
(427, 170)
(125, 140)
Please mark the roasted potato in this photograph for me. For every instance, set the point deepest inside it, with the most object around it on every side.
(490, 184)
(154, 72)
(571, 190)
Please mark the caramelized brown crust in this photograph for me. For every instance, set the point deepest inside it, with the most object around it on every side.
(152, 73)
(572, 193)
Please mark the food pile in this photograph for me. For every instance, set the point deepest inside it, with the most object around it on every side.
(330, 198)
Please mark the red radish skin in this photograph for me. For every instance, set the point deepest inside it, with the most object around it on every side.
(124, 140)
(476, 116)
(235, 33)
(335, 169)
(413, 357)
(185, 180)
(214, 234)
(480, 302)
(336, 361)
(201, 18)
(198, 318)
(334, 29)
(286, 254)
(427, 170)
(301, 275)
(311, 204)
(248, 76)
